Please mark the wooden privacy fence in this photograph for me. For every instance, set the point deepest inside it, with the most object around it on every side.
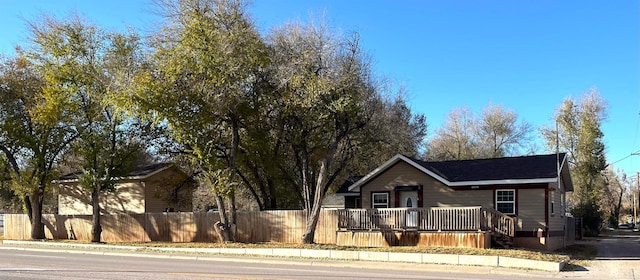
(284, 226)
(427, 219)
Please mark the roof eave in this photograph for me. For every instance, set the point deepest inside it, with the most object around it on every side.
(348, 194)
(391, 162)
(139, 177)
(502, 182)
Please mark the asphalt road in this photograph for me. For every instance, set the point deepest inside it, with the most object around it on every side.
(49, 264)
(618, 258)
(618, 255)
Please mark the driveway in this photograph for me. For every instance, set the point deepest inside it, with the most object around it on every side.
(618, 255)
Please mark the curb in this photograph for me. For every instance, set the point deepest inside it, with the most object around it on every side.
(416, 258)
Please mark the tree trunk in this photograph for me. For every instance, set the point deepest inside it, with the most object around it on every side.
(232, 217)
(37, 227)
(313, 215)
(27, 205)
(96, 229)
(222, 227)
(235, 142)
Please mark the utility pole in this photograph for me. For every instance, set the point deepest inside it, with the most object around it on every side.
(636, 198)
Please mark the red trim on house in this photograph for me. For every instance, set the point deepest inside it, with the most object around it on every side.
(546, 211)
(515, 193)
(493, 196)
(396, 200)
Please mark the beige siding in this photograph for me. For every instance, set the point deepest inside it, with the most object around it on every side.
(435, 194)
(530, 210)
(128, 197)
(159, 192)
(557, 218)
(438, 195)
(154, 204)
(530, 199)
(73, 200)
(399, 174)
(152, 195)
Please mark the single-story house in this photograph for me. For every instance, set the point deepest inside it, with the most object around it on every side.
(153, 188)
(527, 191)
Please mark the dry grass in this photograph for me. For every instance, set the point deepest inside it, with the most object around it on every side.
(566, 255)
(580, 255)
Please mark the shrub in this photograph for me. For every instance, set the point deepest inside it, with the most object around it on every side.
(591, 216)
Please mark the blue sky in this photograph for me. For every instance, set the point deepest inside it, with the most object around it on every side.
(524, 55)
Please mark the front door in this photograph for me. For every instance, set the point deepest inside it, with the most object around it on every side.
(409, 199)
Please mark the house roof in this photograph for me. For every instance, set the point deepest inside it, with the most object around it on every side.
(493, 171)
(139, 172)
(344, 188)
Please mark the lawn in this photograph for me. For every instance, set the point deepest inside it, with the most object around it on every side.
(570, 254)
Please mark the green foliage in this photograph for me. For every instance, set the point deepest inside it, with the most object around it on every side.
(220, 181)
(579, 134)
(286, 117)
(591, 216)
(93, 70)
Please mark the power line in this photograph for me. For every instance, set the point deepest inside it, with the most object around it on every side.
(636, 153)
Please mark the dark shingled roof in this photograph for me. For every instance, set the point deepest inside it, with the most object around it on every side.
(524, 167)
(505, 168)
(344, 188)
(139, 171)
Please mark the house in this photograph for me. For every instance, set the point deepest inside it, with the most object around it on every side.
(153, 188)
(526, 193)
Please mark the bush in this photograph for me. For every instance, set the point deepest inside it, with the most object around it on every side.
(591, 216)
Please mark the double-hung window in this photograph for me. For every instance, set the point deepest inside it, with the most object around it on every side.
(380, 200)
(506, 201)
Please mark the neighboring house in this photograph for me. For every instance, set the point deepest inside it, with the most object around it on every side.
(151, 188)
(333, 201)
(528, 189)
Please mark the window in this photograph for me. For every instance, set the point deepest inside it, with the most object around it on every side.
(380, 200)
(506, 201)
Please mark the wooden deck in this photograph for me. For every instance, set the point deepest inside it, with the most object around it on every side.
(474, 218)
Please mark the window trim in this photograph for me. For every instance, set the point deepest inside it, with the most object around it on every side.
(513, 202)
(377, 205)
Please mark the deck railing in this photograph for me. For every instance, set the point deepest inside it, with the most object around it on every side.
(497, 222)
(427, 219)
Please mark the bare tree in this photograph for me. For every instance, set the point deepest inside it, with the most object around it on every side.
(616, 188)
(496, 133)
(499, 132)
(455, 139)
